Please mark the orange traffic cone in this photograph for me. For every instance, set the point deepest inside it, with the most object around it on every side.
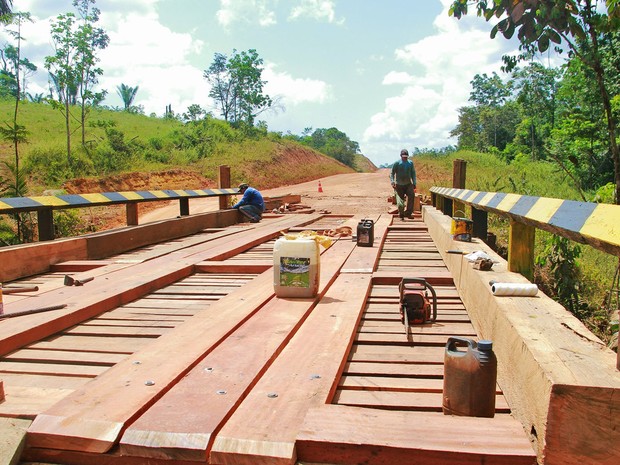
(320, 187)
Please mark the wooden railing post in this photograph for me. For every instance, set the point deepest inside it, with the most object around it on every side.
(521, 249)
(459, 170)
(481, 222)
(132, 213)
(184, 206)
(223, 181)
(45, 218)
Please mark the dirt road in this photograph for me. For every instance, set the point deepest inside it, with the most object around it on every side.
(351, 193)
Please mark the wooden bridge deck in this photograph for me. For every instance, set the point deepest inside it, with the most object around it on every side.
(180, 353)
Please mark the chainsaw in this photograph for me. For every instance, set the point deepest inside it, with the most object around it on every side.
(415, 306)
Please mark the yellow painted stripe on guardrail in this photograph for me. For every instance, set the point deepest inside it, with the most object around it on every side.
(487, 198)
(544, 209)
(181, 193)
(471, 196)
(603, 223)
(131, 195)
(49, 201)
(160, 194)
(95, 198)
(508, 202)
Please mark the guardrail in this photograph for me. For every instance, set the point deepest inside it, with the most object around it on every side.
(45, 205)
(595, 224)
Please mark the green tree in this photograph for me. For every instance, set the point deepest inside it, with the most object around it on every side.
(127, 95)
(17, 67)
(536, 88)
(89, 39)
(72, 68)
(334, 143)
(490, 93)
(576, 24)
(237, 87)
(194, 113)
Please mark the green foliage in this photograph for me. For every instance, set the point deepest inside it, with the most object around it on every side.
(560, 258)
(237, 87)
(584, 140)
(331, 142)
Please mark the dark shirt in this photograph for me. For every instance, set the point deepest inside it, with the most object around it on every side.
(251, 197)
(403, 173)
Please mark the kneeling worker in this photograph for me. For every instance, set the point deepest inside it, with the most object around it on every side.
(251, 204)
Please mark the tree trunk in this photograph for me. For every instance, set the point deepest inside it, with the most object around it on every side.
(611, 125)
(68, 130)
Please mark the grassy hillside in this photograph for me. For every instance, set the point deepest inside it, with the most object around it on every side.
(118, 143)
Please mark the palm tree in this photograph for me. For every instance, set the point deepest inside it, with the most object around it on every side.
(127, 94)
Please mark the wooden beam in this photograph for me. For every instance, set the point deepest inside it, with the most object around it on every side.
(521, 249)
(264, 427)
(132, 213)
(547, 360)
(174, 428)
(353, 435)
(91, 419)
(223, 181)
(45, 220)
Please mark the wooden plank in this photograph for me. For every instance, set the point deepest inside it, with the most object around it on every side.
(91, 420)
(13, 434)
(120, 345)
(63, 356)
(353, 435)
(391, 383)
(19, 261)
(394, 369)
(28, 402)
(84, 371)
(94, 426)
(263, 428)
(123, 286)
(414, 401)
(173, 428)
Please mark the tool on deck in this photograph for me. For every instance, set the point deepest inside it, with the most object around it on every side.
(415, 306)
(15, 290)
(32, 310)
(70, 281)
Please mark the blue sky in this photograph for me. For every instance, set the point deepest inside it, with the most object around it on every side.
(388, 73)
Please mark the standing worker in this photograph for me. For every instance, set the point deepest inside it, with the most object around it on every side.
(404, 183)
(251, 204)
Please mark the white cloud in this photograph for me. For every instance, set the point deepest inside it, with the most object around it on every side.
(436, 74)
(294, 91)
(397, 77)
(249, 11)
(321, 10)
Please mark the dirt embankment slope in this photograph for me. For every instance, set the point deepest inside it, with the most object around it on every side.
(288, 166)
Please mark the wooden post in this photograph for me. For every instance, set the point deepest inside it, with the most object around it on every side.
(459, 169)
(446, 206)
(480, 219)
(184, 206)
(521, 249)
(45, 219)
(132, 214)
(223, 181)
